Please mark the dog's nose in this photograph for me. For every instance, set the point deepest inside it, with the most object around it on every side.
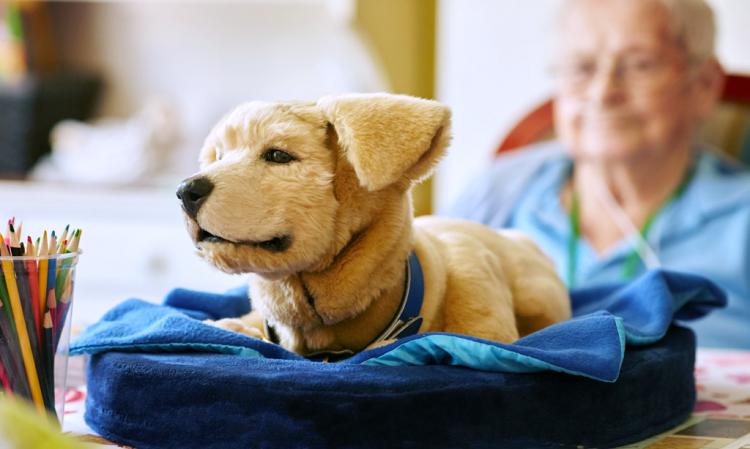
(193, 193)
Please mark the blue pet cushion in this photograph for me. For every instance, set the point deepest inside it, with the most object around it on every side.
(616, 373)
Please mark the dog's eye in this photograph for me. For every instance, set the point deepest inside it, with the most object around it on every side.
(278, 156)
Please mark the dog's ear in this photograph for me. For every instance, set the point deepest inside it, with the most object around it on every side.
(388, 137)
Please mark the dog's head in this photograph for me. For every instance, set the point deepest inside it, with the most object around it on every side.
(275, 177)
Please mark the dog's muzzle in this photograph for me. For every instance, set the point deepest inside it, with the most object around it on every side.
(193, 193)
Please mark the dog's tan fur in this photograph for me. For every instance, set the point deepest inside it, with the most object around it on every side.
(345, 203)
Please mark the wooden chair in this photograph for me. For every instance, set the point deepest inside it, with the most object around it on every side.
(728, 129)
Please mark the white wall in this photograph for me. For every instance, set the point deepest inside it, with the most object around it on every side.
(733, 21)
(491, 69)
(492, 59)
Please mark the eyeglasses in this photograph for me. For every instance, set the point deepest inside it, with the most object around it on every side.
(633, 71)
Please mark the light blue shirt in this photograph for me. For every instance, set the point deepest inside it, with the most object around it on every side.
(706, 230)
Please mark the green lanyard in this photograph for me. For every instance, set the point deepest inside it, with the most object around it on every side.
(631, 261)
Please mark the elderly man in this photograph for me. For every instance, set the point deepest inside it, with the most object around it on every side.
(626, 188)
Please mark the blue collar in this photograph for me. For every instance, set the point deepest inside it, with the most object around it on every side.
(407, 321)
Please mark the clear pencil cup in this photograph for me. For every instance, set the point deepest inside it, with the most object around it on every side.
(35, 317)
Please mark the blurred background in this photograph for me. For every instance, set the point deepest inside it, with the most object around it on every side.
(104, 105)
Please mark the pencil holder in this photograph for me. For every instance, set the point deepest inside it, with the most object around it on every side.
(35, 316)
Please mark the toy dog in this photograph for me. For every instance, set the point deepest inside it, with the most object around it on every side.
(313, 199)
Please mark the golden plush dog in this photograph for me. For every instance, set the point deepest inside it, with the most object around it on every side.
(314, 200)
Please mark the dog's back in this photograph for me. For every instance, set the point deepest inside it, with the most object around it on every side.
(496, 284)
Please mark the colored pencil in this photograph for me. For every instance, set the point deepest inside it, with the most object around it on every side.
(12, 361)
(65, 233)
(13, 365)
(4, 380)
(49, 358)
(53, 269)
(52, 305)
(21, 281)
(6, 354)
(19, 231)
(4, 296)
(52, 265)
(33, 274)
(43, 263)
(64, 270)
(76, 241)
(22, 330)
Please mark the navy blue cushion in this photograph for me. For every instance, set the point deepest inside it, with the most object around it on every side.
(225, 401)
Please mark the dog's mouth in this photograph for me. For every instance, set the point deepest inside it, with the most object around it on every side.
(276, 244)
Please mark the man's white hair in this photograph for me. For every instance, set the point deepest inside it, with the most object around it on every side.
(691, 22)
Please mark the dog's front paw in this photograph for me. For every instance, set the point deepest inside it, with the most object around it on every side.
(237, 325)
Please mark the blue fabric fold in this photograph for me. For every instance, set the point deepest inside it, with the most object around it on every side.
(592, 344)
(213, 306)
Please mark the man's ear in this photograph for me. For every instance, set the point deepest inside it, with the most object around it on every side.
(709, 80)
(388, 137)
